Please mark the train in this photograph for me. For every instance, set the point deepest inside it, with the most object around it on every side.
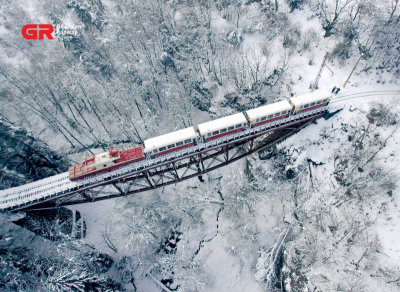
(161, 145)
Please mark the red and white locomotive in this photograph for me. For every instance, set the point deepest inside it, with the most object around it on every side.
(105, 162)
(113, 159)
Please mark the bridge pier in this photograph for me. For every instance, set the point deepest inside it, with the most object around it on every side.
(73, 224)
(82, 238)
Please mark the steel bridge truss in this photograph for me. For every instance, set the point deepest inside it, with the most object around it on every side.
(174, 170)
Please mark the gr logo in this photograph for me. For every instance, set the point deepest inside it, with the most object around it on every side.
(30, 31)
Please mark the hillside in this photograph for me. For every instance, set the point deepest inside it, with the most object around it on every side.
(317, 212)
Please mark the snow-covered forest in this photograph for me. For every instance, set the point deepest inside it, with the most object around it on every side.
(317, 212)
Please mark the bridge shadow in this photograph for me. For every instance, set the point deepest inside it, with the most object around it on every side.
(54, 224)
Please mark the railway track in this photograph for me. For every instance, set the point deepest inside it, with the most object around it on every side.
(59, 185)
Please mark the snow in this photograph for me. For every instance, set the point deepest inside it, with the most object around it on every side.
(178, 16)
(219, 22)
(35, 190)
(309, 144)
(3, 30)
(217, 255)
(228, 274)
(313, 150)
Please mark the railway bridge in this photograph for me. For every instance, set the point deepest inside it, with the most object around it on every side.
(149, 174)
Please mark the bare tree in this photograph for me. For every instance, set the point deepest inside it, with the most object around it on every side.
(331, 13)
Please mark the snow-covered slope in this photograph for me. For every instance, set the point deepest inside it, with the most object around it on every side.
(333, 186)
(319, 212)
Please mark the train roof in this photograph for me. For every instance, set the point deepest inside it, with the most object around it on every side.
(222, 123)
(268, 109)
(170, 138)
(311, 97)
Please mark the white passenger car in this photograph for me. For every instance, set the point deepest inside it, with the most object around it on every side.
(170, 142)
(269, 113)
(221, 127)
(311, 100)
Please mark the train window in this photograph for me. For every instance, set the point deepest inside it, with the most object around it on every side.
(263, 118)
(188, 141)
(238, 126)
(171, 146)
(209, 135)
(270, 116)
(231, 128)
(301, 107)
(222, 131)
(312, 104)
(257, 120)
(215, 133)
(306, 106)
(155, 151)
(319, 102)
(162, 149)
(325, 100)
(179, 144)
(284, 112)
(277, 114)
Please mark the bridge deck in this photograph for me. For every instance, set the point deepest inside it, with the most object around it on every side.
(60, 185)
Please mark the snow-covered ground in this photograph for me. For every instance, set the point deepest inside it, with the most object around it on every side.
(320, 212)
(224, 256)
